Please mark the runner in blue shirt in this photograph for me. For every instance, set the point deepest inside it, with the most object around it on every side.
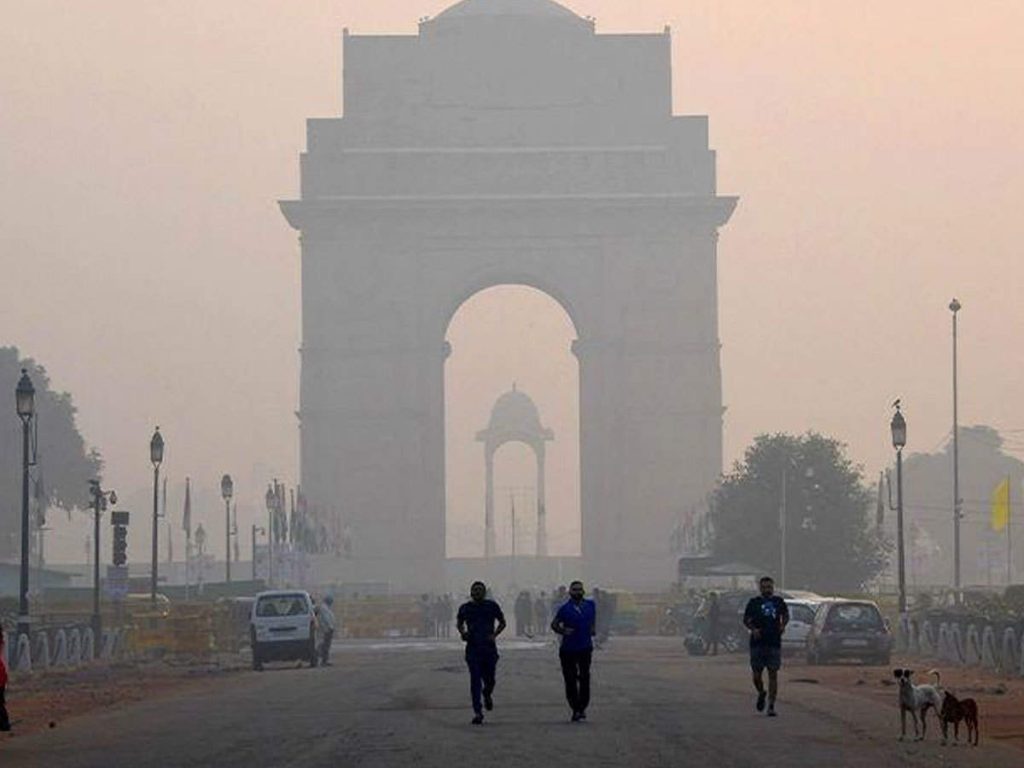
(576, 622)
(479, 622)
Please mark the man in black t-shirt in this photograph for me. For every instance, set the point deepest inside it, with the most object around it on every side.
(766, 617)
(479, 622)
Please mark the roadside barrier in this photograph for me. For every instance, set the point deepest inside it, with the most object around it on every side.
(972, 646)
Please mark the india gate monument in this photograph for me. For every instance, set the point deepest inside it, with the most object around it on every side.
(508, 143)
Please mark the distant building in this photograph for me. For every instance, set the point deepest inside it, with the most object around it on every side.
(508, 143)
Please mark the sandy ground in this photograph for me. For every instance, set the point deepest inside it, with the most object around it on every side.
(1000, 699)
(47, 700)
(406, 704)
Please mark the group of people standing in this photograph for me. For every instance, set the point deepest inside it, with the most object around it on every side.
(481, 620)
(437, 614)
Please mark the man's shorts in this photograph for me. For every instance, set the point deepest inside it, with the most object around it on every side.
(765, 657)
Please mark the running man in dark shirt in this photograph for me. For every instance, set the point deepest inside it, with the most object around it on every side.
(479, 622)
(766, 617)
(576, 622)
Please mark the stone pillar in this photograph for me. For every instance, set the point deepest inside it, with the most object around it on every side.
(542, 514)
(489, 538)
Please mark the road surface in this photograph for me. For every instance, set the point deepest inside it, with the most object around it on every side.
(406, 704)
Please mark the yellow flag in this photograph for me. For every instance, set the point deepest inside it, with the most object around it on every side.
(1001, 505)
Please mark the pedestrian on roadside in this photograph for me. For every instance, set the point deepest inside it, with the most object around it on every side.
(766, 616)
(479, 622)
(447, 614)
(541, 614)
(5, 720)
(576, 623)
(714, 617)
(328, 625)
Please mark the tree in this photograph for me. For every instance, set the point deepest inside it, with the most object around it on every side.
(831, 547)
(985, 461)
(61, 476)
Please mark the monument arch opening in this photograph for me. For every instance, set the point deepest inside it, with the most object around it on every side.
(512, 425)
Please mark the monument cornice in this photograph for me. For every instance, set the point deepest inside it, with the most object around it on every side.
(303, 214)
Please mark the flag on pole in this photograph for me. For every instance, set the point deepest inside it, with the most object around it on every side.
(1001, 505)
(186, 520)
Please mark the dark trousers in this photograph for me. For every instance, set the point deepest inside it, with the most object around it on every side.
(5, 721)
(325, 646)
(482, 667)
(576, 673)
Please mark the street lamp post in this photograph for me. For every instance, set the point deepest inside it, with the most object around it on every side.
(227, 489)
(24, 397)
(954, 307)
(156, 456)
(255, 529)
(271, 510)
(99, 503)
(898, 425)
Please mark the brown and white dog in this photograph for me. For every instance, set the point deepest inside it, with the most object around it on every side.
(954, 710)
(917, 700)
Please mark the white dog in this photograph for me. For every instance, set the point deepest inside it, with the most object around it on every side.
(917, 699)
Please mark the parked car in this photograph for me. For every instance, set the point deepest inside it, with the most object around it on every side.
(845, 629)
(801, 618)
(283, 627)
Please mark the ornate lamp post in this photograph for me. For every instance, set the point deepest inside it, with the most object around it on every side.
(898, 425)
(227, 490)
(156, 456)
(24, 396)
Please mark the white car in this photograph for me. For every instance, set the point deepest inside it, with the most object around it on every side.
(283, 627)
(801, 617)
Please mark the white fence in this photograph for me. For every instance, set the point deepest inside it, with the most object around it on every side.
(967, 645)
(62, 648)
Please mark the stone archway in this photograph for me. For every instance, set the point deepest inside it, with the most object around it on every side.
(515, 418)
(553, 161)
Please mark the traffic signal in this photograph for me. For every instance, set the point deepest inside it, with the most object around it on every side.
(120, 545)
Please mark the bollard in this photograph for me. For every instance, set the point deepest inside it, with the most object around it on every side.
(989, 651)
(926, 639)
(957, 644)
(60, 649)
(24, 662)
(972, 649)
(88, 646)
(41, 657)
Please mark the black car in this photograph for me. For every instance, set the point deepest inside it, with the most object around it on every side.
(849, 629)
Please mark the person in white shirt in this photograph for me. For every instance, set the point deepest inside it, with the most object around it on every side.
(328, 624)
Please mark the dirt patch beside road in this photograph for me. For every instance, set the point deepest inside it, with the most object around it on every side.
(1000, 699)
(46, 699)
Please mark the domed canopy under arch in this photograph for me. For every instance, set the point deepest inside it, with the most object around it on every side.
(514, 418)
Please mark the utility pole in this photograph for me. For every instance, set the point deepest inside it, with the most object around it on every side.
(954, 307)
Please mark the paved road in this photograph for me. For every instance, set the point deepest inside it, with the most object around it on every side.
(407, 705)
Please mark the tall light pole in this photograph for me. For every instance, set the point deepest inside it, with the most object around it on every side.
(271, 500)
(227, 489)
(99, 503)
(898, 426)
(156, 456)
(255, 529)
(24, 400)
(954, 307)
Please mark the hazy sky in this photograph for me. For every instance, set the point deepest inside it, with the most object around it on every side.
(877, 147)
